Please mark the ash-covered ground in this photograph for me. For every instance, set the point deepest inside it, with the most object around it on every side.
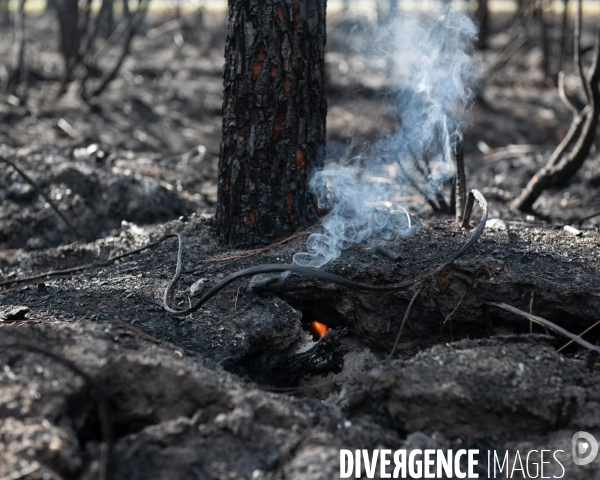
(207, 396)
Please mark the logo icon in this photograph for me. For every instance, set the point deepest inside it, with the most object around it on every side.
(584, 448)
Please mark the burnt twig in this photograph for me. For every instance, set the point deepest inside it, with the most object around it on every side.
(588, 217)
(466, 218)
(134, 22)
(412, 300)
(141, 333)
(545, 323)
(563, 96)
(577, 50)
(580, 335)
(81, 268)
(461, 182)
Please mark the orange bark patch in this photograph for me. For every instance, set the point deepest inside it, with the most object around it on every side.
(254, 21)
(287, 84)
(279, 121)
(274, 72)
(260, 58)
(252, 218)
(300, 159)
(296, 10)
(242, 131)
(289, 201)
(279, 11)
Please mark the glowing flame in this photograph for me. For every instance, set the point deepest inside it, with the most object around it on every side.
(317, 329)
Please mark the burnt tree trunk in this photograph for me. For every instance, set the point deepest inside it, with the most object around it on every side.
(482, 16)
(67, 12)
(274, 111)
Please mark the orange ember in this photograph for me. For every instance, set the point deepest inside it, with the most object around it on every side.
(317, 329)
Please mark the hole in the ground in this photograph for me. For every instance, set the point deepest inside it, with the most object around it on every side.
(317, 351)
(374, 321)
(285, 368)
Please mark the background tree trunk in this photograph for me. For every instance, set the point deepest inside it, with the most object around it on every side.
(67, 12)
(4, 13)
(274, 112)
(482, 16)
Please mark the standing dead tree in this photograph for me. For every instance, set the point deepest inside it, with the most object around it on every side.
(274, 111)
(80, 30)
(67, 12)
(570, 155)
(130, 26)
(18, 68)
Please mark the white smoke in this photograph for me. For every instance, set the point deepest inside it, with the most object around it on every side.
(430, 63)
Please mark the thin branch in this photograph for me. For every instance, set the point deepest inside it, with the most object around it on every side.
(563, 36)
(531, 312)
(563, 96)
(110, 75)
(141, 333)
(581, 335)
(461, 182)
(546, 323)
(577, 51)
(466, 217)
(588, 217)
(458, 304)
(519, 38)
(413, 183)
(256, 251)
(81, 268)
(412, 300)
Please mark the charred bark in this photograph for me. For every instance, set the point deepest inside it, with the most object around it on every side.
(274, 111)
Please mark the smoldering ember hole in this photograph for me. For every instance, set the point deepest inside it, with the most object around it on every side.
(305, 358)
(317, 329)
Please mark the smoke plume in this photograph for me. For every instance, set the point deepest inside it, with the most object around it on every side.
(429, 59)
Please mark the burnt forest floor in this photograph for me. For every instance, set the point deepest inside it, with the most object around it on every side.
(196, 397)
